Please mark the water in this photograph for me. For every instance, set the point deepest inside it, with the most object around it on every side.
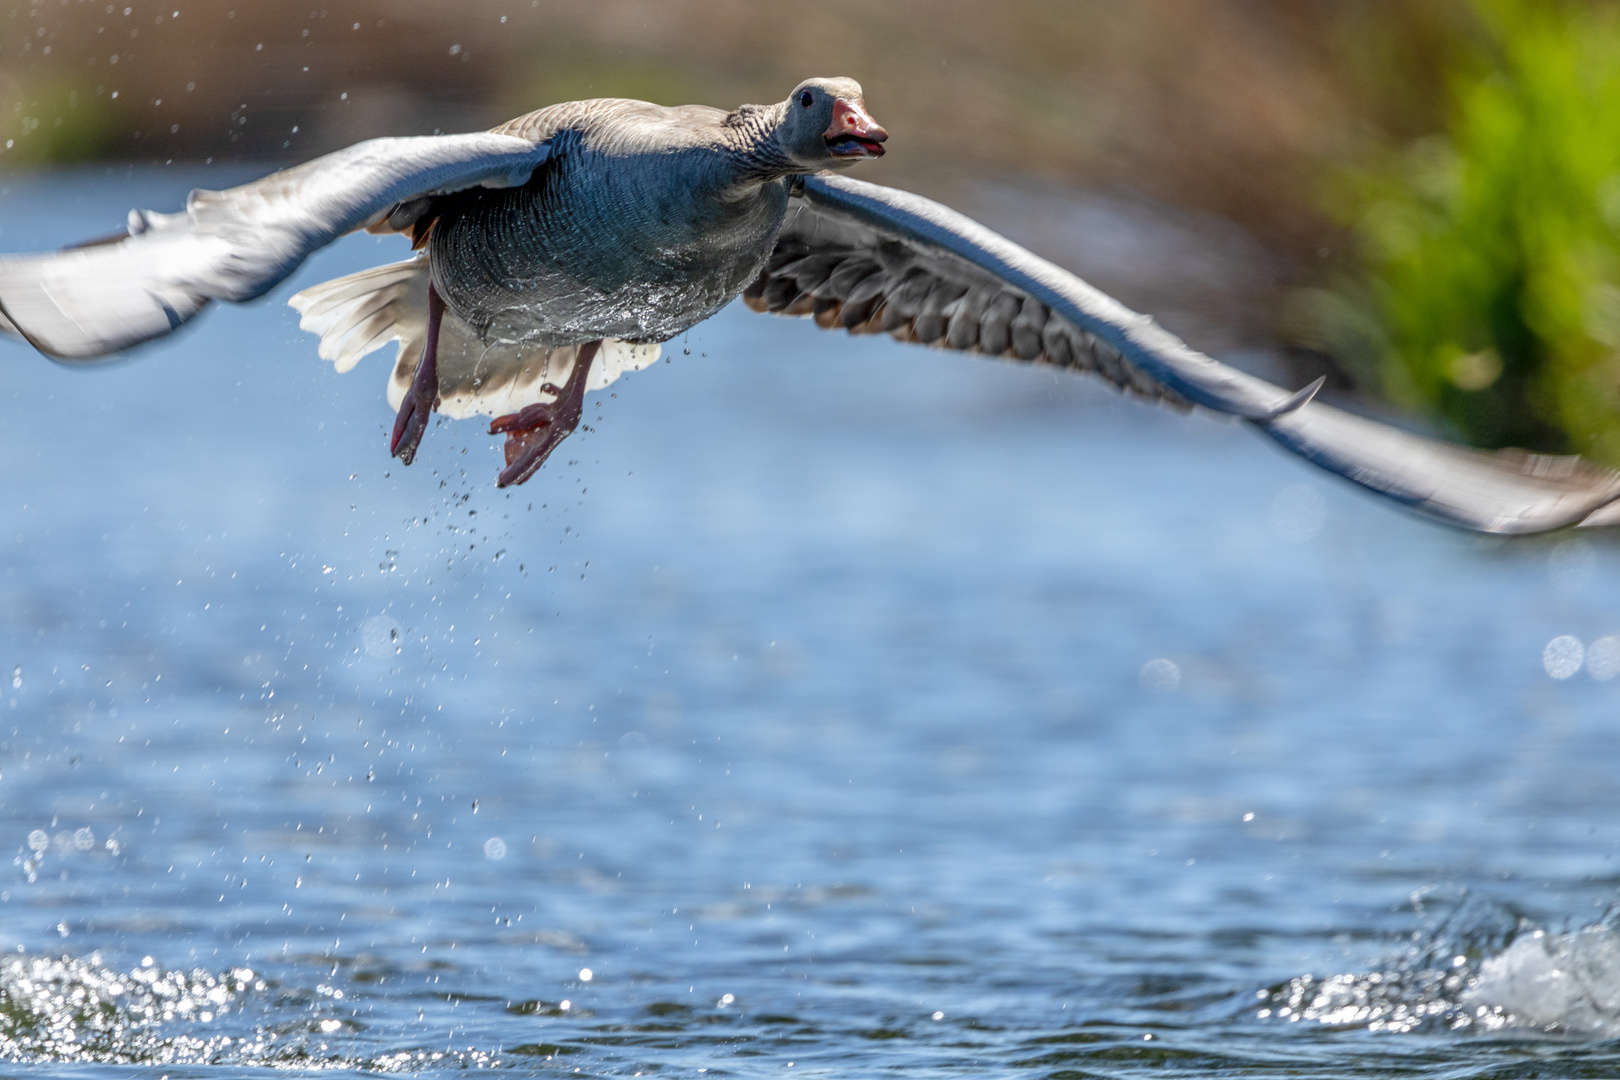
(839, 707)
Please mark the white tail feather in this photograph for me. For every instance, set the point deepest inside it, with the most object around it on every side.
(361, 313)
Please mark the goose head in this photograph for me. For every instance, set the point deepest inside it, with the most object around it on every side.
(826, 125)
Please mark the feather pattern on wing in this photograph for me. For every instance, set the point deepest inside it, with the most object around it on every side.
(871, 259)
(857, 276)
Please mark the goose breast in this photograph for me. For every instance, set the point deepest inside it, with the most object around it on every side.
(623, 234)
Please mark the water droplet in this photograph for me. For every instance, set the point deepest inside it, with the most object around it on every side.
(1603, 658)
(1160, 676)
(1563, 656)
(1570, 565)
(586, 975)
(379, 636)
(495, 848)
(1298, 513)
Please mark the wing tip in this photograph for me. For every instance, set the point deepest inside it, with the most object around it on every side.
(1605, 516)
(1293, 402)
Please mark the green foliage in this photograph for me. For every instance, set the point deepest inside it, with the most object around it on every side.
(1491, 288)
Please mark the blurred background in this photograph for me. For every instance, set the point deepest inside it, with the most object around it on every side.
(1416, 197)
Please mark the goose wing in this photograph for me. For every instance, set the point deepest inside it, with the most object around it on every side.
(236, 244)
(872, 259)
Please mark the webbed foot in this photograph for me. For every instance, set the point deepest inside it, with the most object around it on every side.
(536, 430)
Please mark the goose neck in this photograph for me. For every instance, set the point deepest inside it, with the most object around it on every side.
(754, 144)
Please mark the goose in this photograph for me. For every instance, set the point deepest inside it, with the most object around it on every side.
(554, 253)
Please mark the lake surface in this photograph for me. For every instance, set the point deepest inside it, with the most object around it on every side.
(832, 707)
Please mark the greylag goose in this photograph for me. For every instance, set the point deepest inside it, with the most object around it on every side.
(557, 251)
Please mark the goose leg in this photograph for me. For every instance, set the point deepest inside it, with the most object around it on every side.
(423, 396)
(533, 433)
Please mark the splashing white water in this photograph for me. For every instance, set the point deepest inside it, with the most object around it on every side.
(1381, 1001)
(1558, 982)
(1483, 978)
(79, 1009)
(72, 1009)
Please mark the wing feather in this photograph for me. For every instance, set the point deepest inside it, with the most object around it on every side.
(236, 244)
(921, 272)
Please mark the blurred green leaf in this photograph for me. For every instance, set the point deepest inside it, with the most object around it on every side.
(1490, 285)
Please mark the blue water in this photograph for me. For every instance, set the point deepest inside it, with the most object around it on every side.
(839, 707)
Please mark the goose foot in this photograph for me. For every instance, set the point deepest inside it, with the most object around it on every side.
(533, 433)
(423, 397)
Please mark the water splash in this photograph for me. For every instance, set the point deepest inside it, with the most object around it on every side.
(1556, 982)
(71, 1009)
(1396, 1000)
(1484, 968)
(80, 1009)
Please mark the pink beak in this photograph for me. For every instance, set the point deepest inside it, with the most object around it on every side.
(854, 134)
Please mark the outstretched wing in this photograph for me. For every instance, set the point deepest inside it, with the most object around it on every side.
(236, 244)
(873, 259)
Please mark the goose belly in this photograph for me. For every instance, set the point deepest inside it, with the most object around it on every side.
(570, 258)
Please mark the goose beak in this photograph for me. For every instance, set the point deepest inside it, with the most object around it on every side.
(854, 134)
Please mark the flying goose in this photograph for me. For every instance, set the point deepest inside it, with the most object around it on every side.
(555, 252)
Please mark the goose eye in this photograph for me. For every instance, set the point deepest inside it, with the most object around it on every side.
(807, 99)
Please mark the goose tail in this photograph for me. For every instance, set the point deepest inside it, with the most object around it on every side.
(360, 313)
